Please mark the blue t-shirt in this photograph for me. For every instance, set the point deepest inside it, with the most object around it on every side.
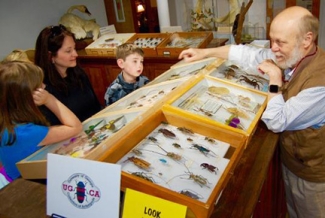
(28, 136)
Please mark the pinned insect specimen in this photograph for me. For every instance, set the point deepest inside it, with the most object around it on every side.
(153, 139)
(253, 82)
(179, 75)
(144, 176)
(139, 162)
(237, 112)
(191, 194)
(162, 160)
(209, 167)
(167, 133)
(137, 152)
(92, 128)
(172, 155)
(211, 140)
(200, 180)
(219, 90)
(189, 139)
(185, 130)
(111, 124)
(202, 149)
(176, 145)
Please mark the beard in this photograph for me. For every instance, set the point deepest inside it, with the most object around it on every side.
(295, 56)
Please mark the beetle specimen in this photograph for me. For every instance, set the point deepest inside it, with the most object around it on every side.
(191, 194)
(144, 176)
(139, 162)
(202, 149)
(167, 133)
(185, 130)
(209, 167)
(176, 145)
(211, 140)
(198, 179)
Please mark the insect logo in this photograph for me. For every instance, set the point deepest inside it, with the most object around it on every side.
(81, 191)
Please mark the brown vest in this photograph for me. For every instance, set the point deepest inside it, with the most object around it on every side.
(303, 151)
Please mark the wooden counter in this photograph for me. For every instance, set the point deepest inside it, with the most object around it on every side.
(254, 188)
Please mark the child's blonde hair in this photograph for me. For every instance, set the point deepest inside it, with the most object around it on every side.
(17, 55)
(126, 49)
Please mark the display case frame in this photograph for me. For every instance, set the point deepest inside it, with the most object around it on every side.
(249, 78)
(199, 209)
(149, 50)
(34, 166)
(201, 40)
(187, 70)
(106, 44)
(235, 103)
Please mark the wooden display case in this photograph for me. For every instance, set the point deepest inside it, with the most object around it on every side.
(106, 44)
(220, 103)
(245, 77)
(99, 134)
(202, 156)
(187, 70)
(149, 166)
(179, 41)
(148, 42)
(149, 97)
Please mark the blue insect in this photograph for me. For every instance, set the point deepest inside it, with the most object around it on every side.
(81, 192)
(202, 149)
(163, 160)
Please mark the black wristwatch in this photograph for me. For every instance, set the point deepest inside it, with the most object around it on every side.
(275, 88)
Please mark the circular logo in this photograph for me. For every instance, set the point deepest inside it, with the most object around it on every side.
(81, 191)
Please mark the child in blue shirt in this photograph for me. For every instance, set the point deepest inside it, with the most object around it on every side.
(130, 59)
(23, 128)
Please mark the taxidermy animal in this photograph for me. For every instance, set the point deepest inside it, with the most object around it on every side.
(231, 16)
(79, 26)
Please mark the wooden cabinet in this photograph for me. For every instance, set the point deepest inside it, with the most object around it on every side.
(103, 70)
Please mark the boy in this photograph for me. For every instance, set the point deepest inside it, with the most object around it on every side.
(130, 59)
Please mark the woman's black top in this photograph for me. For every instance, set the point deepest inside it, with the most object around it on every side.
(82, 101)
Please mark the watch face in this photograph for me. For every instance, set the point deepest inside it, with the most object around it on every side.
(274, 88)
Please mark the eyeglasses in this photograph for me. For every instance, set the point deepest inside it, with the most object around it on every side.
(57, 30)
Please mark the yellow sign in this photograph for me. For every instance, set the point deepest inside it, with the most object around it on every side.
(140, 205)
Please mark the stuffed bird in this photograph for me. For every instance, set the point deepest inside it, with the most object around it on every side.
(78, 26)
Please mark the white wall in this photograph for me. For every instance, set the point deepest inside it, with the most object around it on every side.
(22, 20)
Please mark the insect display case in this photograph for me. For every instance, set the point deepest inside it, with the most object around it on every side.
(246, 77)
(99, 134)
(220, 103)
(179, 41)
(186, 71)
(106, 44)
(178, 159)
(148, 42)
(146, 97)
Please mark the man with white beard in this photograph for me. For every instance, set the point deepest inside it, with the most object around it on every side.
(296, 102)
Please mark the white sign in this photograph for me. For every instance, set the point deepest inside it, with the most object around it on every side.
(82, 188)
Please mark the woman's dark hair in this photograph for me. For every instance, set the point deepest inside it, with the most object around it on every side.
(48, 42)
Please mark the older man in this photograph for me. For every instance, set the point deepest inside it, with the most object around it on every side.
(296, 102)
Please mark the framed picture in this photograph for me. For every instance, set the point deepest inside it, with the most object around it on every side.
(119, 11)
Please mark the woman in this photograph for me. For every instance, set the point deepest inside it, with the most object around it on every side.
(55, 53)
(23, 128)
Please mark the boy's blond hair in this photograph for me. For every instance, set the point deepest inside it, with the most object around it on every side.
(126, 49)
